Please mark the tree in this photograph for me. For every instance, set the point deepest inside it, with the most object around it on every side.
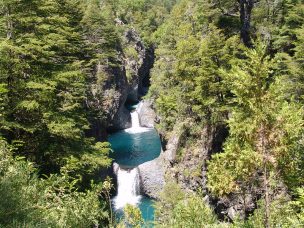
(52, 202)
(42, 70)
(133, 216)
(246, 7)
(261, 147)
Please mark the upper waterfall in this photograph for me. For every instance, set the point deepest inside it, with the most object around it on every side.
(136, 128)
(135, 119)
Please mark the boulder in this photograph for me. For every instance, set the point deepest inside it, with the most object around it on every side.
(147, 116)
(152, 177)
(115, 168)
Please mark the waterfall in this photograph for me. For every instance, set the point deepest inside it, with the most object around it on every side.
(136, 128)
(135, 119)
(128, 188)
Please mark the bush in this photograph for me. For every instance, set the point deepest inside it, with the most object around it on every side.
(28, 201)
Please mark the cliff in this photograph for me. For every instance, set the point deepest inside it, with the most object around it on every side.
(112, 86)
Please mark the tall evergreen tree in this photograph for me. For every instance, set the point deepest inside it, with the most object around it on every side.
(261, 148)
(42, 70)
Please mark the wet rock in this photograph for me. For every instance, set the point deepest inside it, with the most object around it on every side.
(232, 213)
(133, 94)
(232, 207)
(115, 168)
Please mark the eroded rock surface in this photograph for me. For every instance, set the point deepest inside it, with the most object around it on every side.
(147, 115)
(152, 177)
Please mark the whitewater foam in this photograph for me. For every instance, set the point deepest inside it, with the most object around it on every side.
(128, 188)
(136, 128)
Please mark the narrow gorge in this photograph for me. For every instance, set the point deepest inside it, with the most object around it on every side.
(135, 142)
(152, 113)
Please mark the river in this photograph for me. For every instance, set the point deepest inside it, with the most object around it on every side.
(132, 147)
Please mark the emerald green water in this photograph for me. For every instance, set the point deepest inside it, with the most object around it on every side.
(133, 149)
(147, 211)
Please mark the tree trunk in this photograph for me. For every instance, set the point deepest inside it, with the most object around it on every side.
(267, 201)
(265, 177)
(244, 202)
(9, 23)
(246, 7)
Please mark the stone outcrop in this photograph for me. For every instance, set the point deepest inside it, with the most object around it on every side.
(111, 86)
(152, 173)
(189, 168)
(107, 94)
(152, 177)
(232, 207)
(147, 115)
(138, 62)
(187, 162)
(122, 119)
(144, 71)
(173, 144)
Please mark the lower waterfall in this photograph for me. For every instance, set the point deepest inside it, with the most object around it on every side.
(128, 188)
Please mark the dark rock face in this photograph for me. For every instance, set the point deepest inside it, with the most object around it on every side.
(190, 168)
(107, 93)
(140, 67)
(210, 141)
(232, 206)
(110, 87)
(133, 95)
(122, 119)
(173, 144)
(147, 115)
(144, 71)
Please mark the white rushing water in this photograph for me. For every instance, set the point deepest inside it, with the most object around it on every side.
(128, 188)
(135, 120)
(136, 128)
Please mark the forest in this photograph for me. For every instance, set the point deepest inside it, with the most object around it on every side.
(224, 79)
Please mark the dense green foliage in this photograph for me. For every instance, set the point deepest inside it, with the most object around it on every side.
(50, 53)
(179, 209)
(47, 52)
(53, 202)
(144, 15)
(237, 64)
(42, 71)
